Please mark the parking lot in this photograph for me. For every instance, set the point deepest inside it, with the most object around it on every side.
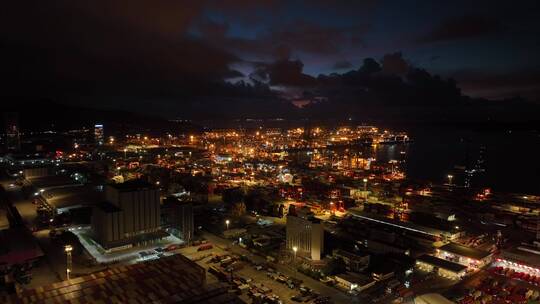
(257, 278)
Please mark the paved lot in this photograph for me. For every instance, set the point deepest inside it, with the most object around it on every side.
(280, 289)
(126, 256)
(248, 271)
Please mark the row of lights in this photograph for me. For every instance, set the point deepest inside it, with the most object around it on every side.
(518, 265)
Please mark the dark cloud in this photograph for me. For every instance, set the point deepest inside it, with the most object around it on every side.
(213, 30)
(343, 5)
(80, 48)
(342, 64)
(464, 27)
(315, 38)
(181, 51)
(284, 73)
(248, 12)
(498, 85)
(282, 40)
(241, 6)
(282, 52)
(394, 63)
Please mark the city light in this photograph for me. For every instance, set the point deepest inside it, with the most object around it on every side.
(68, 249)
(312, 152)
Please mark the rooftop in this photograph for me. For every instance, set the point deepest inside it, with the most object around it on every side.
(17, 245)
(171, 200)
(354, 278)
(132, 185)
(441, 263)
(397, 224)
(72, 195)
(523, 254)
(465, 251)
(51, 181)
(432, 298)
(350, 255)
(173, 279)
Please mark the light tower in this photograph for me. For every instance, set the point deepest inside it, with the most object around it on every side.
(68, 249)
(365, 189)
(450, 177)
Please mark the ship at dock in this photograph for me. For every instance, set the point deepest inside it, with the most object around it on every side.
(392, 139)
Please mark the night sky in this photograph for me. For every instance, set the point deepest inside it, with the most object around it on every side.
(115, 53)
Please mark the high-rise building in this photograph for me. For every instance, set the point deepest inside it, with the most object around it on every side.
(177, 218)
(13, 140)
(129, 216)
(99, 136)
(305, 233)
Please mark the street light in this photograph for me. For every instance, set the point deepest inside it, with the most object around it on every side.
(125, 153)
(450, 177)
(365, 180)
(68, 249)
(365, 184)
(227, 222)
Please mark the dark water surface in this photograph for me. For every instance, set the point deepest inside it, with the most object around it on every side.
(512, 158)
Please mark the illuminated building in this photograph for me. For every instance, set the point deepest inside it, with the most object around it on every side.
(223, 158)
(99, 136)
(467, 256)
(130, 215)
(443, 267)
(307, 234)
(523, 258)
(354, 281)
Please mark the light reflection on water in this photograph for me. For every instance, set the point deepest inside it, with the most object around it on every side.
(512, 160)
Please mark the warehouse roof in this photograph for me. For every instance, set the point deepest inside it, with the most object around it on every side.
(173, 279)
(465, 251)
(73, 195)
(441, 263)
(131, 185)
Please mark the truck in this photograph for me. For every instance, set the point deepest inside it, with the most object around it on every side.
(205, 247)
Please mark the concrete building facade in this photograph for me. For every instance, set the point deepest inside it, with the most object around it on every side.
(306, 233)
(177, 218)
(130, 215)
